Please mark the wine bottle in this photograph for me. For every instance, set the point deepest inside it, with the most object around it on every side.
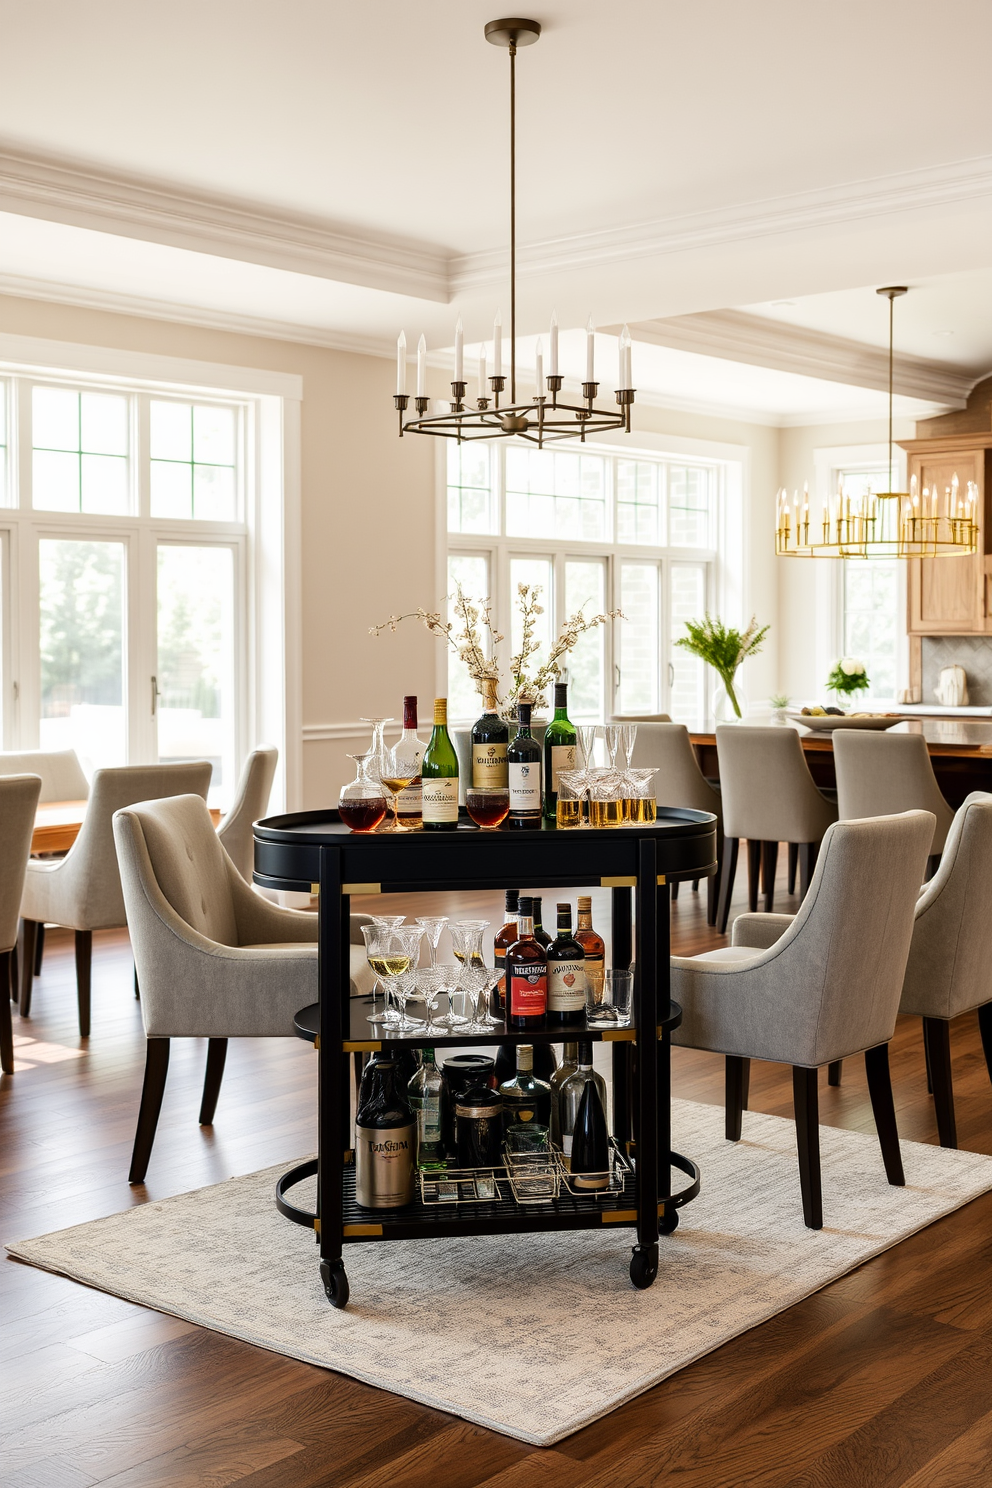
(385, 1140)
(544, 1062)
(559, 750)
(503, 941)
(439, 772)
(424, 1094)
(526, 976)
(490, 736)
(570, 1093)
(569, 1064)
(594, 947)
(566, 975)
(589, 1156)
(525, 1098)
(410, 802)
(540, 934)
(523, 759)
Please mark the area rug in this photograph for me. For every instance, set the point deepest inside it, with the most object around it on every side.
(533, 1336)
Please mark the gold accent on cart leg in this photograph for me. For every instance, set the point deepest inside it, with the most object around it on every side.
(619, 1035)
(315, 891)
(361, 888)
(370, 1046)
(362, 1229)
(625, 881)
(619, 1216)
(662, 880)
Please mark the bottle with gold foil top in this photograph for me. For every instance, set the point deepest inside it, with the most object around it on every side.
(490, 736)
(385, 1140)
(439, 776)
(594, 949)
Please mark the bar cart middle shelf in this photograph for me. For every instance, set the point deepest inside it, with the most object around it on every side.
(314, 851)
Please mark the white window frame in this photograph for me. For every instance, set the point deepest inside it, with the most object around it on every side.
(265, 540)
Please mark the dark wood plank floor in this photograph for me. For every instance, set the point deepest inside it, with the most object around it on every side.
(883, 1378)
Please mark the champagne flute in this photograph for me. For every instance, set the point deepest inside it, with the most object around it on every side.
(433, 927)
(467, 942)
(398, 767)
(406, 942)
(377, 942)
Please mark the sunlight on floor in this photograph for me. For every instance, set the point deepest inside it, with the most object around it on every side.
(40, 1053)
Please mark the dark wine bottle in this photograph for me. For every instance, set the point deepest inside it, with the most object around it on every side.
(526, 1100)
(590, 1156)
(545, 1063)
(540, 934)
(523, 759)
(526, 976)
(503, 941)
(559, 749)
(566, 975)
(490, 737)
(385, 1140)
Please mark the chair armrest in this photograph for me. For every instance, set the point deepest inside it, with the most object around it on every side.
(759, 930)
(357, 921)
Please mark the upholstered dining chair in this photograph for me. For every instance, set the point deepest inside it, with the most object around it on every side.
(214, 959)
(250, 802)
(680, 782)
(640, 718)
(83, 890)
(18, 804)
(880, 774)
(817, 986)
(768, 797)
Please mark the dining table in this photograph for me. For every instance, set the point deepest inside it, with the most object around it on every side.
(960, 751)
(57, 824)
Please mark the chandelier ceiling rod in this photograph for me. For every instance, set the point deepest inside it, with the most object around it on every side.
(891, 293)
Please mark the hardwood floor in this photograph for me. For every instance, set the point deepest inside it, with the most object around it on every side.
(884, 1378)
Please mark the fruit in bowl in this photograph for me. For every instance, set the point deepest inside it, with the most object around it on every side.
(818, 712)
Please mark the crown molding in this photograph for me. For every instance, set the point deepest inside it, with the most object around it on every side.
(62, 191)
(735, 336)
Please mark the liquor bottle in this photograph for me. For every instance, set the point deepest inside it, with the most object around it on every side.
(525, 1098)
(479, 1127)
(559, 750)
(385, 1140)
(503, 941)
(544, 1062)
(410, 803)
(566, 975)
(569, 1064)
(526, 976)
(594, 947)
(570, 1093)
(523, 759)
(490, 736)
(539, 931)
(439, 772)
(589, 1158)
(424, 1094)
(408, 1058)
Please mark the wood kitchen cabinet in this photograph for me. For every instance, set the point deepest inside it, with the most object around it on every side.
(951, 596)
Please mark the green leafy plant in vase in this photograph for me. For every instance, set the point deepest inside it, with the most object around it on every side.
(848, 678)
(723, 648)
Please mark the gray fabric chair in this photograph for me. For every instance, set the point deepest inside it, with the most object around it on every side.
(62, 776)
(768, 797)
(680, 782)
(950, 960)
(250, 802)
(881, 774)
(18, 803)
(215, 960)
(812, 988)
(640, 718)
(83, 890)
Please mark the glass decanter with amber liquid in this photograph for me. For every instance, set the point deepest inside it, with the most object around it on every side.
(362, 803)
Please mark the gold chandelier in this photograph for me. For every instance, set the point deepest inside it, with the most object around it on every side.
(882, 524)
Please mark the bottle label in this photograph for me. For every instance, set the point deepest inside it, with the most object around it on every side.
(411, 800)
(525, 788)
(440, 798)
(566, 1143)
(566, 986)
(429, 1119)
(562, 758)
(529, 992)
(489, 767)
(595, 969)
(384, 1166)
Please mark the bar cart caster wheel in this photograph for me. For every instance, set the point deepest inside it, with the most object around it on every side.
(334, 1277)
(643, 1266)
(669, 1222)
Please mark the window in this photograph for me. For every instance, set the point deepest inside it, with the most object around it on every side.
(870, 600)
(80, 451)
(597, 531)
(193, 461)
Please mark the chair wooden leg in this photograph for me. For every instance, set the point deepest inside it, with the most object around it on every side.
(793, 865)
(834, 1069)
(39, 949)
(937, 1033)
(731, 848)
(84, 976)
(769, 867)
(804, 1097)
(695, 885)
(753, 874)
(734, 1096)
(15, 975)
(152, 1091)
(137, 989)
(746, 1083)
(6, 1017)
(985, 1029)
(808, 852)
(713, 884)
(884, 1111)
(926, 1061)
(675, 889)
(216, 1057)
(29, 932)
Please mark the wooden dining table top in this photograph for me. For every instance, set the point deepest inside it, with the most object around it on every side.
(965, 738)
(57, 824)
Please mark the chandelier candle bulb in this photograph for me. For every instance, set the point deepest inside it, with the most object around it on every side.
(553, 369)
(422, 367)
(498, 345)
(459, 351)
(590, 351)
(539, 370)
(401, 364)
(626, 380)
(482, 371)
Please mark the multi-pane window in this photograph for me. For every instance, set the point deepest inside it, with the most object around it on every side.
(193, 461)
(871, 599)
(80, 451)
(597, 531)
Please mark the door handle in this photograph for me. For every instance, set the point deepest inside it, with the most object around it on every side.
(156, 694)
(671, 674)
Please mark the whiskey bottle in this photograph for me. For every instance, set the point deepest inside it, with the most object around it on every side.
(424, 1094)
(525, 1098)
(503, 941)
(523, 759)
(539, 931)
(566, 975)
(490, 736)
(570, 1093)
(559, 750)
(545, 1063)
(569, 1064)
(526, 976)
(410, 802)
(439, 773)
(385, 1140)
(594, 947)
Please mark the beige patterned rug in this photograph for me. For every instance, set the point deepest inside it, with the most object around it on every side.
(534, 1336)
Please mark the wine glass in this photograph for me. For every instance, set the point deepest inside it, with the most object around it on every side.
(398, 768)
(361, 804)
(433, 926)
(376, 937)
(406, 941)
(489, 979)
(467, 942)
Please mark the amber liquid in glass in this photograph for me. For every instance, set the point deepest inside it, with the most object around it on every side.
(644, 810)
(364, 814)
(606, 813)
(486, 812)
(395, 784)
(568, 813)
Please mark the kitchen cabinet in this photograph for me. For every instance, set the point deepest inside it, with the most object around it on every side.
(951, 596)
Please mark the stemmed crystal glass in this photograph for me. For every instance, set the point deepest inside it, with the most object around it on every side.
(431, 979)
(467, 941)
(402, 975)
(376, 936)
(398, 768)
(627, 733)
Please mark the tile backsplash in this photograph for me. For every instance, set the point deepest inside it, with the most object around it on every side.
(974, 653)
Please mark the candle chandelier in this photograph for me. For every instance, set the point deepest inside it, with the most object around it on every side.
(883, 524)
(544, 417)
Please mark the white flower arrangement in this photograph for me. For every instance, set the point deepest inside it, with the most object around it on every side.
(848, 676)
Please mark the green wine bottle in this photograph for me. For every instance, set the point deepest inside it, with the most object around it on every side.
(559, 749)
(439, 773)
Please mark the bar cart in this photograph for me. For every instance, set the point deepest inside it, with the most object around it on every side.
(314, 851)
